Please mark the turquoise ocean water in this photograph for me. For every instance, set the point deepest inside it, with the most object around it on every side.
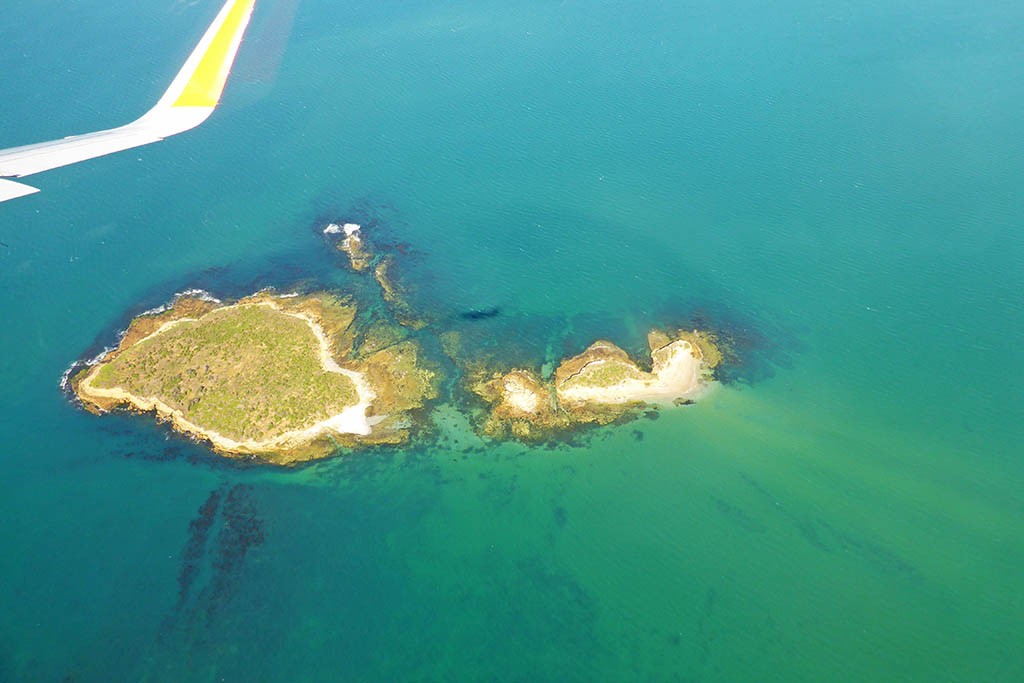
(836, 183)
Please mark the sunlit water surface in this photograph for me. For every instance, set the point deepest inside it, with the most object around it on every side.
(838, 184)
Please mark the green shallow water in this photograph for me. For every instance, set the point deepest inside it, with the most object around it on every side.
(836, 184)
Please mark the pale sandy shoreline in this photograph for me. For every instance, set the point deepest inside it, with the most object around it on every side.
(519, 397)
(352, 420)
(677, 373)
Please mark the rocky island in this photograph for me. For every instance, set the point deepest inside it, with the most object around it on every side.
(285, 378)
(352, 245)
(290, 378)
(601, 385)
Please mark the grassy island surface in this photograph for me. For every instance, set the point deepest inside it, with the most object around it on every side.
(275, 376)
(248, 372)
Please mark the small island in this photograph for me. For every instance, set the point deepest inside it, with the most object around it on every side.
(599, 386)
(281, 377)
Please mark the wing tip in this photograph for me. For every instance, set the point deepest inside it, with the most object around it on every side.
(12, 190)
(215, 54)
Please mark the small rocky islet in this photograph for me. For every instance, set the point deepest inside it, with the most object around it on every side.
(599, 386)
(291, 378)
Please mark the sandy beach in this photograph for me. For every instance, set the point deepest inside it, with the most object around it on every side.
(676, 373)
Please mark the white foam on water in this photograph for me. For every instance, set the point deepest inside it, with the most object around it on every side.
(201, 294)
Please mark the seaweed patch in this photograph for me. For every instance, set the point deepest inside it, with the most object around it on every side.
(226, 529)
(195, 546)
(241, 531)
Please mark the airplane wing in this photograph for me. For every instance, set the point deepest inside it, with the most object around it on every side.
(191, 98)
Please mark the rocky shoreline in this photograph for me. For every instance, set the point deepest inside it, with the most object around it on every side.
(289, 378)
(599, 386)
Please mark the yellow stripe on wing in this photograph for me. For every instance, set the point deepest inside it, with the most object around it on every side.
(207, 82)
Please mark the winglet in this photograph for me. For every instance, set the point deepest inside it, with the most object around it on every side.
(190, 99)
(201, 80)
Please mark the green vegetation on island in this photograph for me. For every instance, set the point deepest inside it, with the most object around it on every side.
(279, 377)
(248, 372)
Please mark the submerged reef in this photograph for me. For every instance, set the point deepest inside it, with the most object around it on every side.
(363, 257)
(278, 377)
(599, 386)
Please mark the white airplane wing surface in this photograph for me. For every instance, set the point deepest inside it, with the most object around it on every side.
(191, 98)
